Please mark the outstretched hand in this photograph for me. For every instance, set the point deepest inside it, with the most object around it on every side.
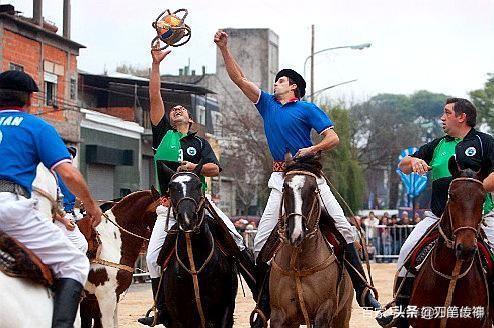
(221, 39)
(158, 55)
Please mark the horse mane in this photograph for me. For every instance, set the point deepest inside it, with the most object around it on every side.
(311, 164)
(130, 199)
(468, 173)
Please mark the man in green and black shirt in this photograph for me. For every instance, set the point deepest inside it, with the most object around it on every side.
(473, 150)
(174, 142)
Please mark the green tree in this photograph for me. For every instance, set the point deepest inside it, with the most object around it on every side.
(341, 165)
(483, 99)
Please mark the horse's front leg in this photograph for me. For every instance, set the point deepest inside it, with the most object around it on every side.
(107, 300)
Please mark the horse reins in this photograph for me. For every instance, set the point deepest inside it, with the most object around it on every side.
(451, 244)
(199, 211)
(295, 272)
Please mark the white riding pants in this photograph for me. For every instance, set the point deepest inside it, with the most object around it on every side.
(421, 228)
(20, 219)
(270, 215)
(75, 236)
(159, 234)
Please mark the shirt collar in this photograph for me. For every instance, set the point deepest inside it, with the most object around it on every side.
(291, 100)
(11, 109)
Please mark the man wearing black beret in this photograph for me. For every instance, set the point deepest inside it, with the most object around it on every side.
(288, 122)
(472, 150)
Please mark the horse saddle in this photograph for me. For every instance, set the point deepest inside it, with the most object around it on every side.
(425, 246)
(18, 261)
(328, 229)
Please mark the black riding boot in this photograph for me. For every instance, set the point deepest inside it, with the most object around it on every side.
(160, 307)
(358, 279)
(263, 307)
(402, 300)
(66, 302)
(247, 270)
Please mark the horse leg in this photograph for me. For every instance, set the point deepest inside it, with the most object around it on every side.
(107, 302)
(85, 314)
(115, 316)
(342, 319)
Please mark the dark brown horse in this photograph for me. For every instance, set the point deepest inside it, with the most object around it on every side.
(452, 276)
(306, 282)
(199, 282)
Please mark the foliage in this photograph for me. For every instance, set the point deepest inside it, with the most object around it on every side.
(483, 99)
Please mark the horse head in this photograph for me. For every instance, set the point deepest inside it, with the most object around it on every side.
(186, 197)
(466, 195)
(137, 211)
(300, 198)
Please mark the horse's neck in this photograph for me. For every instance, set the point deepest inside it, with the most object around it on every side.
(311, 252)
(114, 247)
(47, 183)
(201, 242)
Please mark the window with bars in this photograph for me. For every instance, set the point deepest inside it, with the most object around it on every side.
(16, 67)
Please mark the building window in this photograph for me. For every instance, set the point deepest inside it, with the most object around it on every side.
(51, 89)
(51, 94)
(16, 67)
(73, 88)
(201, 114)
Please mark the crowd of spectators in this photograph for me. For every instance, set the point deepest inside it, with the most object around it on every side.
(386, 234)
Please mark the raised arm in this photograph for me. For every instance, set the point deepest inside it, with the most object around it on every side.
(156, 102)
(250, 89)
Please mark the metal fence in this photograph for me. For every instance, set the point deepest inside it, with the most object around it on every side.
(384, 242)
(383, 245)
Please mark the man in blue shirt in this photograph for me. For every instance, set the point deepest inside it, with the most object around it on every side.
(25, 141)
(288, 122)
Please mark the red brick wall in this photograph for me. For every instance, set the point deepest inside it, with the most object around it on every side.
(21, 51)
(26, 52)
(125, 113)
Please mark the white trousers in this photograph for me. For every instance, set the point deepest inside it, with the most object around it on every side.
(421, 228)
(75, 236)
(270, 215)
(20, 219)
(159, 234)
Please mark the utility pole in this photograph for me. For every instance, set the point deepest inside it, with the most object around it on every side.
(312, 64)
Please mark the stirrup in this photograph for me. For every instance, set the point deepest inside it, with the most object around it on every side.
(260, 314)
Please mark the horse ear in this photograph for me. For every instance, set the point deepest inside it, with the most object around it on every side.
(453, 167)
(197, 170)
(164, 175)
(288, 158)
(155, 193)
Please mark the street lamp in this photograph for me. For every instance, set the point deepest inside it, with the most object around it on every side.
(354, 47)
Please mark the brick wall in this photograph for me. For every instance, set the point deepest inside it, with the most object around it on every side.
(21, 51)
(26, 52)
(125, 113)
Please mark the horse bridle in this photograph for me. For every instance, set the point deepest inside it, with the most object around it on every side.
(198, 206)
(283, 221)
(451, 242)
(199, 211)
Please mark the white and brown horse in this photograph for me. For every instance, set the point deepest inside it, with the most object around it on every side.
(122, 232)
(17, 296)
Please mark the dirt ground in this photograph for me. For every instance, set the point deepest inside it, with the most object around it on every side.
(138, 299)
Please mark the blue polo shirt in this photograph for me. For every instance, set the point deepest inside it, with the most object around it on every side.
(288, 126)
(68, 196)
(25, 141)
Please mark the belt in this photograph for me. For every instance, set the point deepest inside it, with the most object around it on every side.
(9, 186)
(278, 166)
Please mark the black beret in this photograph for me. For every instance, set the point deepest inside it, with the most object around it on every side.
(17, 81)
(297, 78)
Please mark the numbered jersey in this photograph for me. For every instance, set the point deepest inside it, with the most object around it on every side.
(177, 147)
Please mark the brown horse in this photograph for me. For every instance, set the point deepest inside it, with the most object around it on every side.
(122, 232)
(306, 283)
(452, 277)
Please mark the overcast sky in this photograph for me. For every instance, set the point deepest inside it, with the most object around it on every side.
(439, 45)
